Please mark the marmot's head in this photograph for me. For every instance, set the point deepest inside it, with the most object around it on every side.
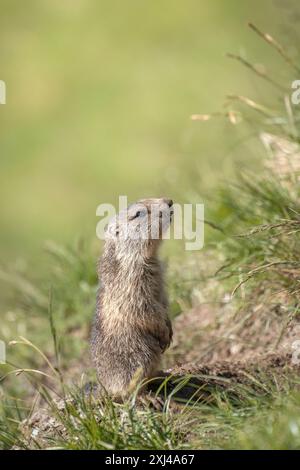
(138, 229)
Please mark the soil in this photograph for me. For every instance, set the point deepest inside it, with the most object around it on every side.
(211, 333)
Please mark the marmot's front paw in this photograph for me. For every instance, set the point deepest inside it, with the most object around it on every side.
(165, 337)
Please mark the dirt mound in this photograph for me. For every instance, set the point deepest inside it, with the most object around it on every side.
(239, 379)
(215, 332)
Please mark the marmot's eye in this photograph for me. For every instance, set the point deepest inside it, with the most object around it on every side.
(140, 213)
(137, 214)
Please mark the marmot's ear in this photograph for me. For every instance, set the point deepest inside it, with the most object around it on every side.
(116, 230)
(111, 230)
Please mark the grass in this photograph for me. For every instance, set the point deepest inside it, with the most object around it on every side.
(81, 423)
(256, 255)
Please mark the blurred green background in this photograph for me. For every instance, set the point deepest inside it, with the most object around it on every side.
(99, 98)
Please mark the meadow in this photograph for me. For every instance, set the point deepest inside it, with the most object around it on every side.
(182, 100)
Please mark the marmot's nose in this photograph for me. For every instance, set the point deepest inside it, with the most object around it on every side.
(169, 202)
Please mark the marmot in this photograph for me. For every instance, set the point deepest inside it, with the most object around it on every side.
(131, 328)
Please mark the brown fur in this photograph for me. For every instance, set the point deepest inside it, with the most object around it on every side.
(131, 327)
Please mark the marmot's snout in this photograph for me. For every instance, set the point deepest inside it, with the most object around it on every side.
(169, 202)
(156, 216)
